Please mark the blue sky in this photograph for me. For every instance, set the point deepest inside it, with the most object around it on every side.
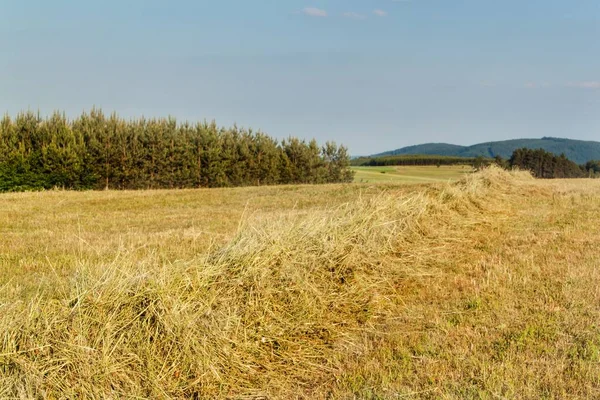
(372, 74)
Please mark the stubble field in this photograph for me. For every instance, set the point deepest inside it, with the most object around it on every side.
(482, 288)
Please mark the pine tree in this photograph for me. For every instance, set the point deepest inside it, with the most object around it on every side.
(99, 152)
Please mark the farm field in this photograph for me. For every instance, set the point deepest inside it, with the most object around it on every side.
(49, 233)
(486, 287)
(410, 174)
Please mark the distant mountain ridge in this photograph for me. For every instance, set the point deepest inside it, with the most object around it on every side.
(579, 151)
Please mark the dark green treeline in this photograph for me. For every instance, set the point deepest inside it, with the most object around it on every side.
(543, 164)
(96, 151)
(418, 159)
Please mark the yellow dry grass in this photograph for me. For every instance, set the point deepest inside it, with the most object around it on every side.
(484, 288)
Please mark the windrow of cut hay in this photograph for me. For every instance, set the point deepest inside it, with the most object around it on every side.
(273, 313)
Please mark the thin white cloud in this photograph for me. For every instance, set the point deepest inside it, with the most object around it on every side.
(585, 85)
(537, 85)
(594, 85)
(380, 13)
(314, 12)
(354, 15)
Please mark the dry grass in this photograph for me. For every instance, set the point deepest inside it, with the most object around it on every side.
(485, 288)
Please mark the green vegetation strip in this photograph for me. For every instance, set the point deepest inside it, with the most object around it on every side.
(96, 151)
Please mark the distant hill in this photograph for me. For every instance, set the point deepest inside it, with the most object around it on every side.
(576, 150)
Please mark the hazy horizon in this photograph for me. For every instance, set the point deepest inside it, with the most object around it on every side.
(374, 75)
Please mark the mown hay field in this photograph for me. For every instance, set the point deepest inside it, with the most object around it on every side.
(486, 287)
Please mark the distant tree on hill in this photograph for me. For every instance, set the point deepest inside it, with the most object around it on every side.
(501, 162)
(593, 168)
(479, 162)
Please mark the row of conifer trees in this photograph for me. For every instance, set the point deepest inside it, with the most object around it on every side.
(543, 164)
(96, 151)
(419, 159)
